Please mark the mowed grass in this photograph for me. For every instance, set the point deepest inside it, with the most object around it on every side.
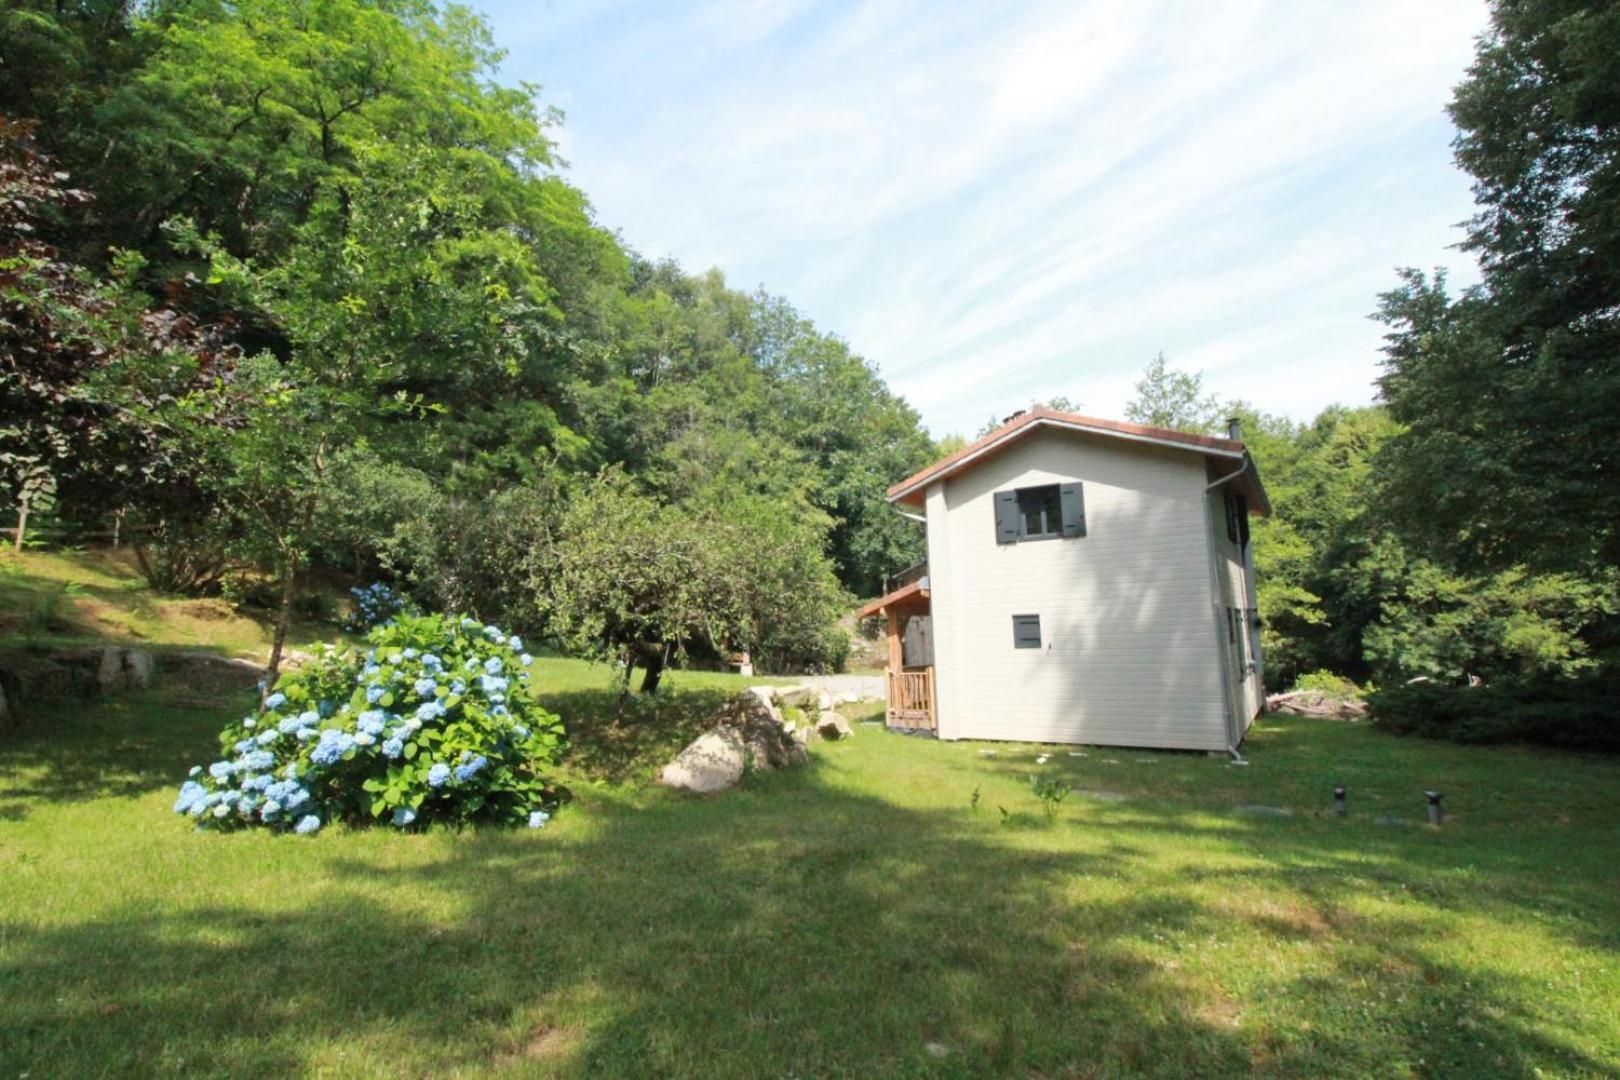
(852, 918)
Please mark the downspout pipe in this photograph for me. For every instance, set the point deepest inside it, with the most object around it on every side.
(908, 515)
(1216, 606)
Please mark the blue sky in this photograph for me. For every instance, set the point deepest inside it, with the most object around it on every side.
(1002, 203)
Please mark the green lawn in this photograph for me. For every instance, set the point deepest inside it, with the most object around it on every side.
(852, 918)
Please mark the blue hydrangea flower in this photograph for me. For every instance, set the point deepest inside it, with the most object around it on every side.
(305, 734)
(515, 643)
(373, 693)
(394, 748)
(249, 723)
(363, 739)
(332, 747)
(258, 760)
(458, 687)
(499, 710)
(538, 819)
(244, 745)
(268, 736)
(269, 810)
(426, 687)
(309, 718)
(493, 685)
(521, 730)
(468, 622)
(438, 775)
(492, 632)
(371, 722)
(221, 770)
(221, 810)
(431, 662)
(289, 725)
(409, 654)
(307, 824)
(275, 701)
(526, 659)
(429, 710)
(190, 793)
(404, 816)
(470, 767)
(494, 665)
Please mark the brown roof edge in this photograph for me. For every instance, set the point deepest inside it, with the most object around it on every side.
(908, 490)
(904, 592)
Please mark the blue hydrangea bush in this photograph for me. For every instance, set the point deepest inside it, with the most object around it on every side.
(374, 605)
(431, 721)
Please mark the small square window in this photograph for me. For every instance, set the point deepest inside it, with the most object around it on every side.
(1041, 511)
(1026, 631)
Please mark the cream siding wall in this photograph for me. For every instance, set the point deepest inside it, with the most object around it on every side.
(1129, 652)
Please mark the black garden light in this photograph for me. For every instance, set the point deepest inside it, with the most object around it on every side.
(1436, 813)
(1340, 805)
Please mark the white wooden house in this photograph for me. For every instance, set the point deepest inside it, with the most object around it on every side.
(1088, 581)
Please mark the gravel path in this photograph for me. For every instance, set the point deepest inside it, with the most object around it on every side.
(869, 687)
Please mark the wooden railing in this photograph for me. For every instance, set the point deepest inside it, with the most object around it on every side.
(911, 699)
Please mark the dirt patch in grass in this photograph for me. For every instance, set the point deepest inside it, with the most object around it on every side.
(545, 1043)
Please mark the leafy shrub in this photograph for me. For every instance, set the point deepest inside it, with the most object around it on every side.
(1575, 713)
(433, 722)
(1328, 683)
(374, 605)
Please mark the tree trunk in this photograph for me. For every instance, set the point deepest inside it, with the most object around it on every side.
(289, 575)
(655, 660)
(22, 521)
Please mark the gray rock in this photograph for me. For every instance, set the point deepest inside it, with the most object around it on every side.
(137, 667)
(833, 727)
(802, 697)
(123, 669)
(713, 762)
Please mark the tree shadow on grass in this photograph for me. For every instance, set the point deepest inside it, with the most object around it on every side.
(70, 751)
(790, 928)
(619, 740)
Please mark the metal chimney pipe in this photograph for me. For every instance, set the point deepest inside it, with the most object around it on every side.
(1436, 813)
(1234, 428)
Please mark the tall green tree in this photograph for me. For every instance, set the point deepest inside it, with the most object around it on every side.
(1509, 392)
(1168, 397)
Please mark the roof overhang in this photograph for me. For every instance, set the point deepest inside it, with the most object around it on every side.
(912, 490)
(910, 597)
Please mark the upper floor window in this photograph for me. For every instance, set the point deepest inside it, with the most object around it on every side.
(1043, 512)
(1040, 511)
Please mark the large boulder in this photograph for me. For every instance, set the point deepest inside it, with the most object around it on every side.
(748, 733)
(713, 762)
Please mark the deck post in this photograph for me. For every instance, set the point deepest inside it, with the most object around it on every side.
(896, 663)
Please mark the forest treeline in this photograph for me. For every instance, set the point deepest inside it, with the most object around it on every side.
(299, 286)
(302, 288)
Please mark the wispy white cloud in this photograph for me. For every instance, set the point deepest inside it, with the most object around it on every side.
(999, 204)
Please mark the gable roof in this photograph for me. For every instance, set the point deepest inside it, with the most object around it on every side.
(911, 490)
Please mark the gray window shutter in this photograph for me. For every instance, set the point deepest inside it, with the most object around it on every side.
(1008, 530)
(1073, 497)
(1026, 631)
